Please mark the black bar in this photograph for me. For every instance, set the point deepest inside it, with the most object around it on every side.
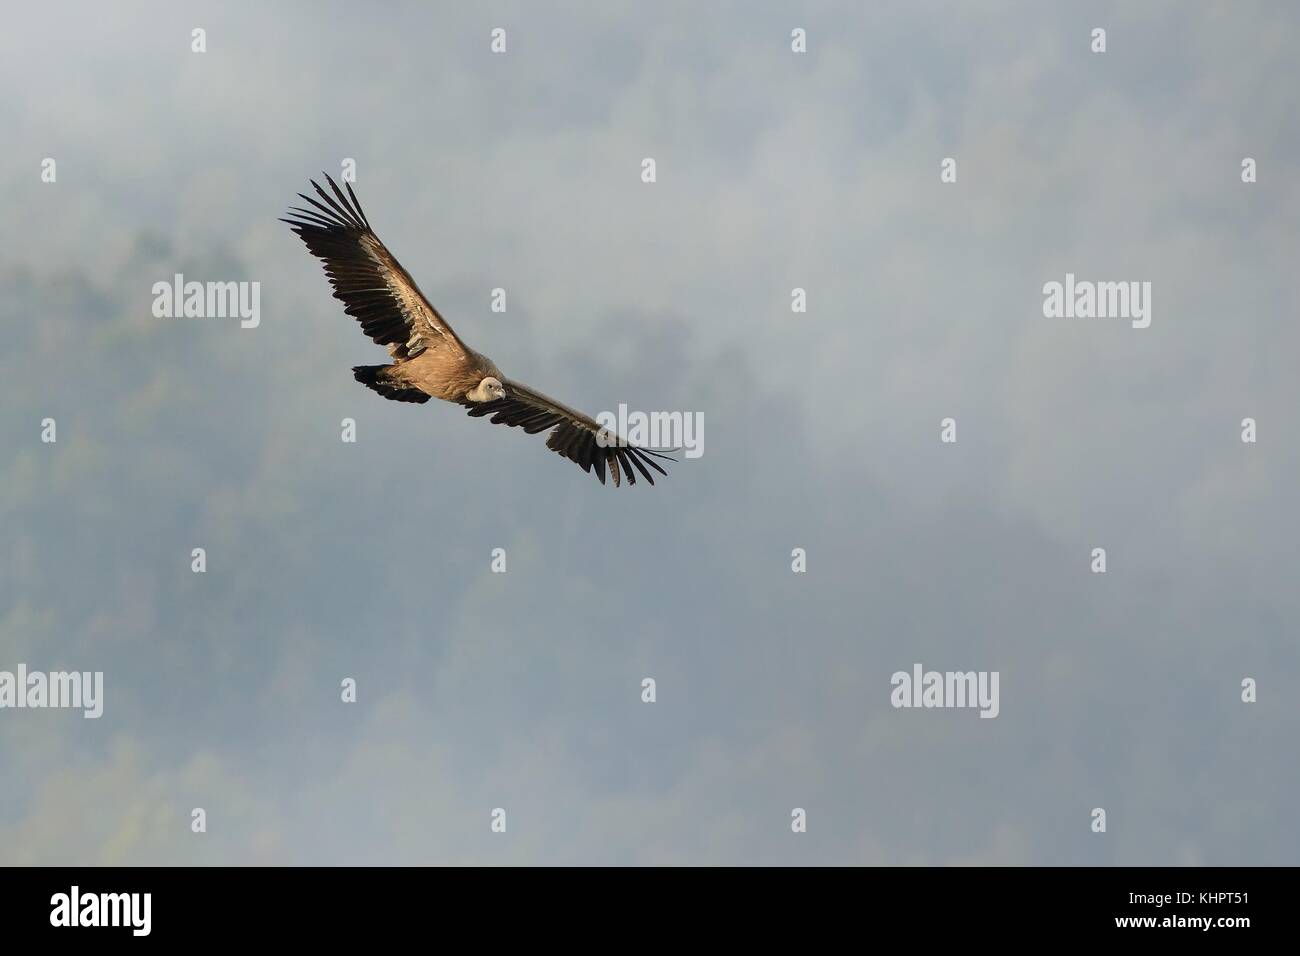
(372, 904)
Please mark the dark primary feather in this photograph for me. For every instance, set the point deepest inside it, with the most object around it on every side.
(367, 279)
(575, 435)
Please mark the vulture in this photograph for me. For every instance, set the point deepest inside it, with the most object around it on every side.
(429, 360)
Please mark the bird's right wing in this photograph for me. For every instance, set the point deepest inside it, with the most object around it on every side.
(576, 436)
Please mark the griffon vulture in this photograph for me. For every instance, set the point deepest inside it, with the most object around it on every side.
(429, 359)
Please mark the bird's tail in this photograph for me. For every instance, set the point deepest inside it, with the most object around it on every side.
(377, 377)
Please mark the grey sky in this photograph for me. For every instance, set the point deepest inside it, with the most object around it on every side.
(522, 690)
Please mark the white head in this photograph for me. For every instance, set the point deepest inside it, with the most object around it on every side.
(488, 390)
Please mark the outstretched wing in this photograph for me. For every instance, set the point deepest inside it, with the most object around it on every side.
(576, 436)
(371, 284)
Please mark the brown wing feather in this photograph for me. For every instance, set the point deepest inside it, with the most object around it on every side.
(576, 436)
(367, 279)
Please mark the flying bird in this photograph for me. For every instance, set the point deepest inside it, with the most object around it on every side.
(429, 360)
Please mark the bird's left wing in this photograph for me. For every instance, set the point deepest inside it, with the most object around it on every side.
(576, 436)
(367, 279)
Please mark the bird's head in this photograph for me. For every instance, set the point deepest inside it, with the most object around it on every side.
(488, 390)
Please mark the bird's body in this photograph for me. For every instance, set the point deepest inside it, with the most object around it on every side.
(435, 373)
(428, 359)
